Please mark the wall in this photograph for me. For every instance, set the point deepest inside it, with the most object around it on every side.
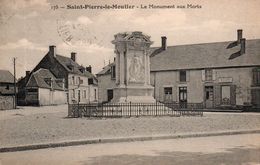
(93, 93)
(171, 79)
(48, 97)
(104, 82)
(76, 87)
(241, 78)
(6, 102)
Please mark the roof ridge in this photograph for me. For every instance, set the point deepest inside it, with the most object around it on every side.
(203, 43)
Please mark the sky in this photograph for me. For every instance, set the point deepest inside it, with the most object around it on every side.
(28, 27)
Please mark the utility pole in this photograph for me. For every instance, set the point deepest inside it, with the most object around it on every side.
(14, 84)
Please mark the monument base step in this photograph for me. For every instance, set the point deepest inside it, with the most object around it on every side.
(134, 99)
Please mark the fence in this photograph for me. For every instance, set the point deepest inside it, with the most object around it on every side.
(134, 109)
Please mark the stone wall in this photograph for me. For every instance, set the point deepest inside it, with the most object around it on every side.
(54, 97)
(241, 78)
(104, 83)
(6, 102)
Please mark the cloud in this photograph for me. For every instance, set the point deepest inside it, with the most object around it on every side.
(80, 21)
(21, 44)
(27, 16)
(16, 5)
(161, 18)
(84, 20)
(87, 54)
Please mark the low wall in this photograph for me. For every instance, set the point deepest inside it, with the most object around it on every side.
(6, 102)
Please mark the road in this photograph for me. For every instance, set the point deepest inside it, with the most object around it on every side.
(218, 150)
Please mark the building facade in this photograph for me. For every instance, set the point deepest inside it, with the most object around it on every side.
(79, 83)
(219, 75)
(43, 88)
(7, 92)
(106, 83)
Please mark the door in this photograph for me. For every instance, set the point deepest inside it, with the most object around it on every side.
(225, 95)
(183, 97)
(209, 96)
(110, 95)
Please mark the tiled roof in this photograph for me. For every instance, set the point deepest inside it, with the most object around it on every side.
(73, 67)
(207, 55)
(39, 79)
(106, 69)
(6, 77)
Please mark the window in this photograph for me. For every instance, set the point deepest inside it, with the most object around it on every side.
(90, 81)
(73, 93)
(183, 76)
(168, 94)
(208, 75)
(79, 81)
(95, 93)
(78, 95)
(73, 80)
(84, 94)
(256, 76)
(32, 90)
(113, 72)
(7, 87)
(168, 90)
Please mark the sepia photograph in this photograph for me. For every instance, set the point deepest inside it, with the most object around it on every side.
(110, 82)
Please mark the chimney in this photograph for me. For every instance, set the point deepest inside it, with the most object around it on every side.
(89, 69)
(52, 51)
(164, 42)
(27, 73)
(73, 56)
(239, 35)
(243, 45)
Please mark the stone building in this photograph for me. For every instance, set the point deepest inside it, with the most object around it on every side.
(7, 93)
(219, 75)
(80, 83)
(43, 88)
(106, 83)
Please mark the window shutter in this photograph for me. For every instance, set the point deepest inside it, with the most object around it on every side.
(187, 75)
(203, 75)
(233, 94)
(217, 95)
(214, 74)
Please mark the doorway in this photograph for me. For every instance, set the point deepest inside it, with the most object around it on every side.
(110, 95)
(183, 97)
(209, 96)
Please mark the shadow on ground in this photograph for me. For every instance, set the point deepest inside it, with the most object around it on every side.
(235, 156)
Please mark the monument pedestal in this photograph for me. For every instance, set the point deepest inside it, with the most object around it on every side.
(133, 94)
(132, 68)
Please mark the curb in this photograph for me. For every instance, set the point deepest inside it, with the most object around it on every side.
(127, 139)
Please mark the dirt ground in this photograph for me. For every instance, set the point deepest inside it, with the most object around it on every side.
(32, 125)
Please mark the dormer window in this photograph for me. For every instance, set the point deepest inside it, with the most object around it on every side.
(49, 81)
(82, 69)
(70, 66)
